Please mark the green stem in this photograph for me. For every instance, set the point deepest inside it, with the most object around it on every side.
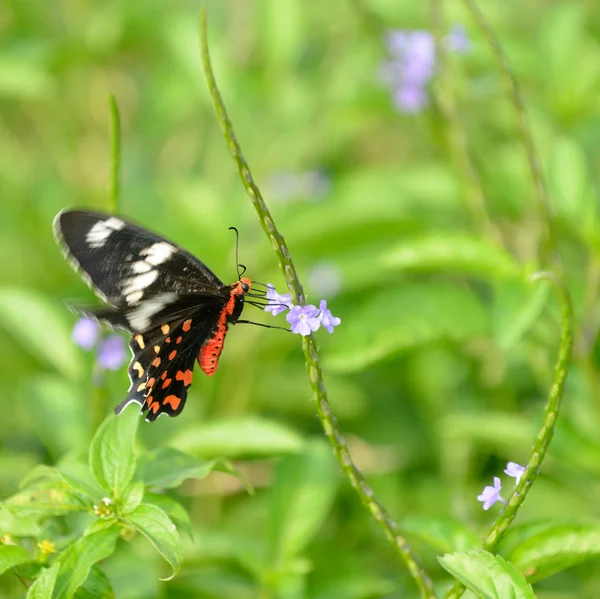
(546, 432)
(474, 198)
(548, 248)
(328, 421)
(115, 144)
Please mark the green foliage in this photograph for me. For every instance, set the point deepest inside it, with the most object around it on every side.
(437, 375)
(487, 576)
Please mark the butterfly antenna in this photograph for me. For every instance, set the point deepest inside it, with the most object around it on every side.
(237, 253)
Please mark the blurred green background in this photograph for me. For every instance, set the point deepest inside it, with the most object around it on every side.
(440, 368)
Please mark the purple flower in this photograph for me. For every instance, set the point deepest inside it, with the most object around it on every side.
(111, 352)
(327, 319)
(515, 470)
(491, 495)
(457, 40)
(86, 332)
(304, 319)
(277, 302)
(412, 64)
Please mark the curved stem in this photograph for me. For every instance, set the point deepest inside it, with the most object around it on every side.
(309, 346)
(115, 144)
(549, 246)
(474, 197)
(546, 432)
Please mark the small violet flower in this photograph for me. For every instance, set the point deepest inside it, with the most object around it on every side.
(327, 319)
(111, 352)
(491, 495)
(412, 62)
(86, 332)
(304, 319)
(515, 470)
(277, 302)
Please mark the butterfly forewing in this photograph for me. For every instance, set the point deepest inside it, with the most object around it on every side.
(170, 302)
(125, 264)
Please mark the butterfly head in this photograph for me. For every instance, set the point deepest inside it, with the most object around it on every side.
(242, 286)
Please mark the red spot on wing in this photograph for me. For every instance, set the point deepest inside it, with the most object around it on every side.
(179, 340)
(172, 354)
(166, 383)
(187, 325)
(156, 362)
(186, 377)
(173, 401)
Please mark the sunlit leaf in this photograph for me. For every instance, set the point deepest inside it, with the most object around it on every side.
(487, 576)
(155, 525)
(77, 560)
(244, 436)
(173, 509)
(96, 586)
(555, 549)
(168, 468)
(112, 459)
(404, 317)
(11, 556)
(43, 585)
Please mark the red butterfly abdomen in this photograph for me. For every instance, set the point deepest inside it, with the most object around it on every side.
(208, 358)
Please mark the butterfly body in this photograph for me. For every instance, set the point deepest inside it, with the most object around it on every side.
(175, 308)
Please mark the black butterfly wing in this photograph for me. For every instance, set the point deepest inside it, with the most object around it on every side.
(125, 264)
(161, 369)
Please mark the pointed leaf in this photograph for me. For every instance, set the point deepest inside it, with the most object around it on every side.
(173, 509)
(132, 497)
(15, 522)
(488, 576)
(77, 560)
(43, 586)
(155, 525)
(237, 437)
(556, 548)
(96, 586)
(404, 317)
(11, 556)
(450, 251)
(112, 460)
(42, 327)
(168, 468)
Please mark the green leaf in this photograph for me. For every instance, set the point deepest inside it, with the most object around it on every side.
(444, 535)
(40, 474)
(300, 499)
(78, 477)
(517, 306)
(173, 509)
(96, 586)
(155, 525)
(112, 460)
(11, 556)
(451, 251)
(488, 576)
(15, 522)
(77, 560)
(404, 317)
(132, 497)
(556, 548)
(42, 327)
(244, 436)
(167, 468)
(47, 501)
(43, 586)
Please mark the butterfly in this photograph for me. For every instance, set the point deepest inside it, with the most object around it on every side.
(175, 308)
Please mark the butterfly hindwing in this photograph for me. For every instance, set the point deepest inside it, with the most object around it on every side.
(161, 369)
(124, 263)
